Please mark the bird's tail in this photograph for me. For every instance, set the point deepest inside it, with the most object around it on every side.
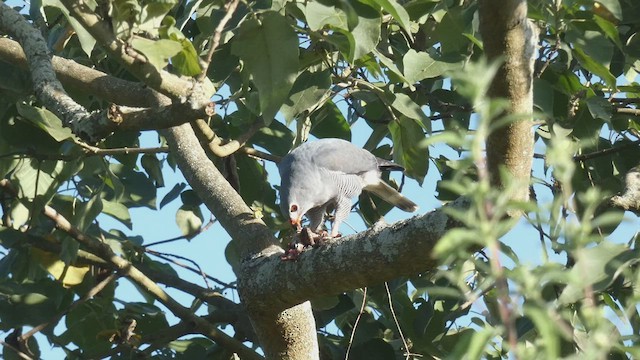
(392, 196)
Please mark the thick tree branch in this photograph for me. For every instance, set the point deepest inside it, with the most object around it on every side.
(126, 118)
(371, 257)
(97, 125)
(46, 86)
(630, 199)
(508, 35)
(289, 333)
(86, 79)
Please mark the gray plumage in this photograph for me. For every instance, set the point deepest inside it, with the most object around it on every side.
(328, 172)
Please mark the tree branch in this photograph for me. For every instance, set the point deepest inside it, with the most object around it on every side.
(162, 81)
(128, 269)
(379, 254)
(46, 86)
(630, 199)
(70, 73)
(635, 112)
(209, 138)
(507, 34)
(289, 333)
(230, 8)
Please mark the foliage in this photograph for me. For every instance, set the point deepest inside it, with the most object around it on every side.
(406, 70)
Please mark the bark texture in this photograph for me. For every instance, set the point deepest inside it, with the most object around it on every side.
(508, 35)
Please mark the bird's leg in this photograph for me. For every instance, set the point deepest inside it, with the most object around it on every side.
(343, 208)
(316, 218)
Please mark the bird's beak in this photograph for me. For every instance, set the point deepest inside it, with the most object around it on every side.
(296, 223)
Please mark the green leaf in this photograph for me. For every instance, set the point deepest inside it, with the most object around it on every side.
(87, 41)
(40, 180)
(596, 267)
(187, 61)
(609, 29)
(455, 240)
(189, 219)
(308, 90)
(328, 122)
(153, 12)
(157, 52)
(392, 68)
(595, 67)
(367, 33)
(88, 323)
(118, 211)
(254, 187)
(479, 342)
(190, 198)
(345, 42)
(137, 189)
(30, 303)
(153, 167)
(277, 138)
(172, 194)
(397, 11)
(599, 108)
(407, 135)
(420, 65)
(45, 120)
(269, 50)
(613, 6)
(358, 38)
(8, 353)
(68, 275)
(546, 328)
(543, 96)
(373, 349)
(319, 15)
(86, 212)
(410, 109)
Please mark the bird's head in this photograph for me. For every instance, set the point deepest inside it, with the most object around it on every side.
(295, 216)
(293, 208)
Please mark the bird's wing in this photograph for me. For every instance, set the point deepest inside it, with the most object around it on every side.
(341, 156)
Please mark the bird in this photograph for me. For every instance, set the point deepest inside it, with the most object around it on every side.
(329, 173)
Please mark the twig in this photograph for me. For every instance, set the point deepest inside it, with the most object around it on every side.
(260, 155)
(35, 196)
(604, 152)
(125, 267)
(94, 150)
(596, 154)
(209, 138)
(91, 293)
(199, 271)
(355, 324)
(18, 352)
(230, 8)
(407, 352)
(635, 112)
(88, 151)
(200, 230)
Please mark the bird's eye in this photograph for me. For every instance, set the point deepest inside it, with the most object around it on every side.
(293, 208)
